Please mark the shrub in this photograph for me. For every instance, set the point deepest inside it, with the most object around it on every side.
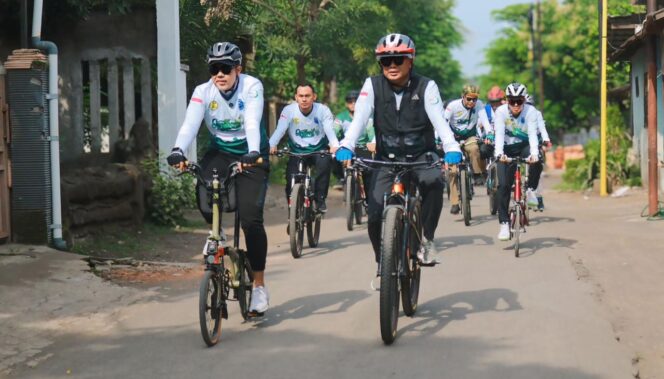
(170, 194)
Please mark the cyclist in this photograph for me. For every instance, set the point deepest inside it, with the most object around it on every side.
(231, 104)
(545, 145)
(516, 135)
(406, 109)
(496, 98)
(466, 116)
(310, 129)
(342, 121)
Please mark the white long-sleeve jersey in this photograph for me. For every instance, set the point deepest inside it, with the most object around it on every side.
(233, 123)
(541, 127)
(512, 130)
(466, 122)
(306, 133)
(364, 109)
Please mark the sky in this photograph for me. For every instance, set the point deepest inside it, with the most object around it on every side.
(480, 30)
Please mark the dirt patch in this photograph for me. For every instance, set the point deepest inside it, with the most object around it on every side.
(132, 271)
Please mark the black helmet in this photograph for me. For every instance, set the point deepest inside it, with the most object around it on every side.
(352, 96)
(224, 52)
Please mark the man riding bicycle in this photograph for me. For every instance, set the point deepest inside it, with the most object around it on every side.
(496, 98)
(516, 136)
(406, 109)
(466, 116)
(231, 103)
(310, 129)
(366, 143)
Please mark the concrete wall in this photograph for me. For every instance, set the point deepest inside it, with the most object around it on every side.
(97, 37)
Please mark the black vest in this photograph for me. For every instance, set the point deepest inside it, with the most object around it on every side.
(408, 131)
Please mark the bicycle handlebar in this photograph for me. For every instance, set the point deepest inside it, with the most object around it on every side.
(395, 164)
(281, 153)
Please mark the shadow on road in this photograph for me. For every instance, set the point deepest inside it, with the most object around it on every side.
(544, 219)
(326, 303)
(530, 247)
(456, 241)
(435, 314)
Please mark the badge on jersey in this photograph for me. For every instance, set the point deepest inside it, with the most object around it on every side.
(240, 104)
(214, 105)
(296, 121)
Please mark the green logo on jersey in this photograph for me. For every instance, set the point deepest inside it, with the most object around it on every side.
(226, 125)
(307, 133)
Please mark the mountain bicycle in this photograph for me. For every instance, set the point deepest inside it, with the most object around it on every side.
(355, 197)
(301, 212)
(518, 210)
(226, 267)
(464, 185)
(401, 240)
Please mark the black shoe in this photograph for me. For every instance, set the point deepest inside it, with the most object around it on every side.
(478, 180)
(322, 207)
(455, 209)
(540, 203)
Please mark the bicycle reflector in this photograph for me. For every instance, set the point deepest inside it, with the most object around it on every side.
(220, 253)
(398, 188)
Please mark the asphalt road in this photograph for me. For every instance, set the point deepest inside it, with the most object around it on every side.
(483, 314)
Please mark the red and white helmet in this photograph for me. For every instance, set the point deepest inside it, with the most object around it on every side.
(395, 44)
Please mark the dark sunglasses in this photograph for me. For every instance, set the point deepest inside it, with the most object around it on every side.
(387, 61)
(224, 68)
(515, 102)
(471, 99)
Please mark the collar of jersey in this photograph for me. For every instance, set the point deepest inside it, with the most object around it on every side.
(229, 95)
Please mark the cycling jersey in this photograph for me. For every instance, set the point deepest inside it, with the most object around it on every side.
(512, 133)
(490, 115)
(313, 132)
(342, 122)
(465, 122)
(234, 122)
(541, 127)
(364, 110)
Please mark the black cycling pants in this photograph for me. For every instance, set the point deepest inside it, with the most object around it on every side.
(250, 187)
(431, 185)
(323, 167)
(506, 180)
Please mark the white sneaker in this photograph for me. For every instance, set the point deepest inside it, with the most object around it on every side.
(504, 234)
(427, 252)
(260, 300)
(531, 198)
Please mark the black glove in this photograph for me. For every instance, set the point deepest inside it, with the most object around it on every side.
(250, 158)
(176, 157)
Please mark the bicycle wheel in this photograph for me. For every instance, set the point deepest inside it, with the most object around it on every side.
(243, 292)
(465, 197)
(313, 230)
(297, 220)
(349, 196)
(210, 303)
(517, 228)
(359, 207)
(389, 271)
(410, 284)
(491, 191)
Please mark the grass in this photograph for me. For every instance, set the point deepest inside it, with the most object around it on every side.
(121, 242)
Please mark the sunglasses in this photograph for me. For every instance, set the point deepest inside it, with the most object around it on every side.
(471, 99)
(387, 61)
(224, 68)
(515, 102)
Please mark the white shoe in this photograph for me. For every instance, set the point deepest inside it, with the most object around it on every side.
(504, 234)
(531, 198)
(427, 252)
(260, 300)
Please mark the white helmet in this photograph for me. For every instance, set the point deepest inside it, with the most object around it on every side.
(530, 100)
(224, 52)
(516, 90)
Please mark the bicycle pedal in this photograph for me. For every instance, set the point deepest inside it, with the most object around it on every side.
(255, 314)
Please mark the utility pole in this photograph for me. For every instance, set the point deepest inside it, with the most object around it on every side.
(651, 56)
(540, 68)
(602, 156)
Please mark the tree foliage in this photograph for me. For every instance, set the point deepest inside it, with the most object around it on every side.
(570, 59)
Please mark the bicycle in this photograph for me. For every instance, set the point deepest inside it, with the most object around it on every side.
(464, 187)
(492, 185)
(301, 213)
(355, 197)
(226, 267)
(400, 270)
(518, 211)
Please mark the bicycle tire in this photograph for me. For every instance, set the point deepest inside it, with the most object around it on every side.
(350, 201)
(296, 220)
(359, 207)
(210, 304)
(246, 284)
(517, 228)
(410, 284)
(465, 197)
(313, 230)
(492, 192)
(389, 271)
